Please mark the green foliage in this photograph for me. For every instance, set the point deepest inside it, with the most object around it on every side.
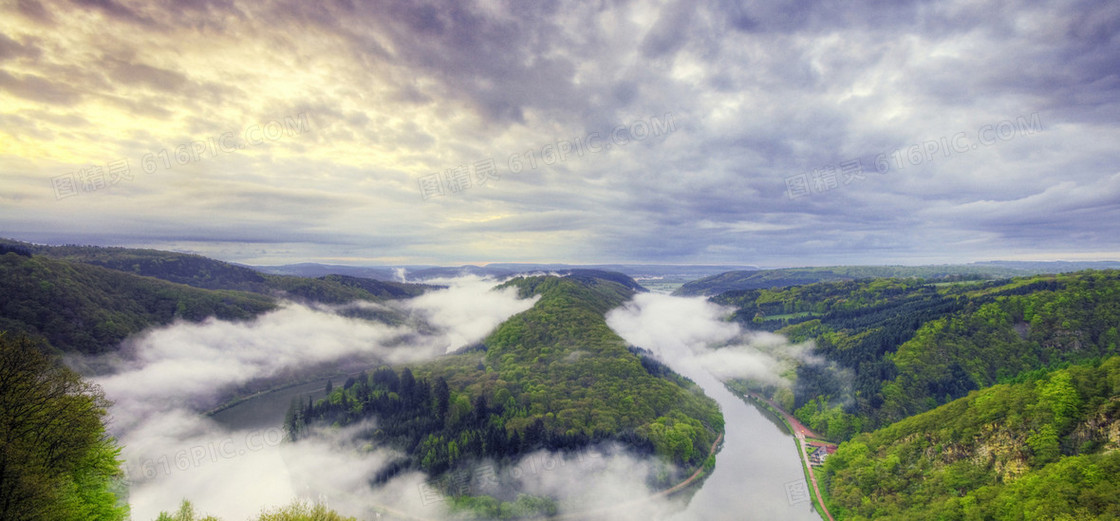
(485, 507)
(56, 461)
(201, 272)
(338, 289)
(303, 512)
(186, 512)
(999, 453)
(829, 420)
(1026, 325)
(853, 324)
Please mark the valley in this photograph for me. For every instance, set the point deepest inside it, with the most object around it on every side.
(580, 395)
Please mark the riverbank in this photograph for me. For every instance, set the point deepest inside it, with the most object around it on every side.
(801, 434)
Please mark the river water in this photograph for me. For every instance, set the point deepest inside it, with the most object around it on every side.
(758, 472)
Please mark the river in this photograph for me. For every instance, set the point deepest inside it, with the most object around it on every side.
(757, 476)
(758, 472)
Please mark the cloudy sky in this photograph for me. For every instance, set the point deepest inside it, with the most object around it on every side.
(717, 132)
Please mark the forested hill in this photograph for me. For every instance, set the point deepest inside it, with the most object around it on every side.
(553, 377)
(207, 273)
(87, 299)
(1045, 448)
(82, 308)
(899, 347)
(785, 277)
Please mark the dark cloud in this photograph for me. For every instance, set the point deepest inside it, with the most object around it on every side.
(664, 38)
(128, 73)
(115, 11)
(36, 88)
(10, 48)
(34, 10)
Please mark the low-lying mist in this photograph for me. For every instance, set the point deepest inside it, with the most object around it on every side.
(692, 334)
(164, 380)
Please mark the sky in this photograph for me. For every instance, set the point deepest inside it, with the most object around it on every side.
(680, 132)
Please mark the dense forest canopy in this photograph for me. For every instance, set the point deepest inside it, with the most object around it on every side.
(87, 309)
(898, 347)
(1047, 447)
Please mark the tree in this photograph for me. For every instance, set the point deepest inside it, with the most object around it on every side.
(443, 398)
(56, 461)
(1061, 398)
(1044, 445)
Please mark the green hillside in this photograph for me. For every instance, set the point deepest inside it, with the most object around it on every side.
(87, 299)
(785, 277)
(1045, 448)
(339, 289)
(182, 268)
(202, 272)
(898, 347)
(87, 309)
(553, 377)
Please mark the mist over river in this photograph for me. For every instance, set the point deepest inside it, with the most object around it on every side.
(235, 462)
(758, 472)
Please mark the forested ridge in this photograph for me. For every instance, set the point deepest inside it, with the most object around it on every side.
(1046, 447)
(553, 377)
(785, 277)
(898, 347)
(87, 309)
(992, 399)
(88, 299)
(206, 273)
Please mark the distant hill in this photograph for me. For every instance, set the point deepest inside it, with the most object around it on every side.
(340, 289)
(785, 277)
(206, 273)
(1047, 447)
(553, 377)
(87, 299)
(678, 274)
(311, 269)
(1040, 267)
(89, 309)
(588, 276)
(182, 268)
